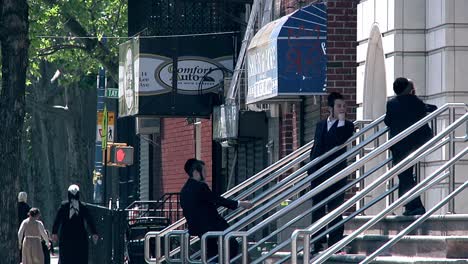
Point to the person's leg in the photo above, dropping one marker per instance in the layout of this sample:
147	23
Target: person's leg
316	215
211	247
337	234
233	248
406	182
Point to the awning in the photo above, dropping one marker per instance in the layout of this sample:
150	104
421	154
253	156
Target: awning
287	57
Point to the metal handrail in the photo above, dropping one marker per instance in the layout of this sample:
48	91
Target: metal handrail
410	195
300	186
406	163
313	208
339	175
311	230
415	224
279	164
289	160
291	179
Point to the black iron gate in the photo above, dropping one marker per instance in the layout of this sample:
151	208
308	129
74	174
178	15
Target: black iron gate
111	225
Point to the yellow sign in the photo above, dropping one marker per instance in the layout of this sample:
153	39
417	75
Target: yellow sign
110	126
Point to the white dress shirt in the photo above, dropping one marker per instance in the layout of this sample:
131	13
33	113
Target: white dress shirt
331	121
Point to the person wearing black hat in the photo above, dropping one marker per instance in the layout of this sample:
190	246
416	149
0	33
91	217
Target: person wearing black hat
199	205
329	133
403	111
69	229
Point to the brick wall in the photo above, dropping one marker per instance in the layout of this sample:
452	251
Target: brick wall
341	68
289	128
178	145
341	52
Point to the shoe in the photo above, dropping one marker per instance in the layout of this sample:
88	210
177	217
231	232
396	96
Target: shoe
417	211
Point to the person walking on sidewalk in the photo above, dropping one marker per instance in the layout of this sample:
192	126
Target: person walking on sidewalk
69	229
30	234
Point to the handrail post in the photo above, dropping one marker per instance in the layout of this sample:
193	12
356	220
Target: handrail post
245	252
306	250
294	237
451	204
186	241
203	242
146	248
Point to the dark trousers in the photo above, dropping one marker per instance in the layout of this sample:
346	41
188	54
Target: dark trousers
406	181
212	248
337	234
46	252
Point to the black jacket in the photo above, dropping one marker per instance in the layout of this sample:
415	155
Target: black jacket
326	140
73	235
199	205
402	112
23	210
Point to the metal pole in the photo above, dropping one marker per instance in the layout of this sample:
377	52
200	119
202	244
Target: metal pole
451	204
306	250
245	253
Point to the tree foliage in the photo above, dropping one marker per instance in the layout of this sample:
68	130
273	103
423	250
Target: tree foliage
71	35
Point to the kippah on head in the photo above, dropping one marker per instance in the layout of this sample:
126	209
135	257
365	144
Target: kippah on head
189	164
400	85
73	189
332	97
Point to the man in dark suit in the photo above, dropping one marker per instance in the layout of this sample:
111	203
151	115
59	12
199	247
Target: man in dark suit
329	133
69	229
199	205
403	111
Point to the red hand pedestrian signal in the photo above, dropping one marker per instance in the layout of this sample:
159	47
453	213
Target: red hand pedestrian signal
122	155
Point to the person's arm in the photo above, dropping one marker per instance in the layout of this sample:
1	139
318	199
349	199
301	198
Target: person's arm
388	115
21	234
315	147
430	108
57	223
90	222
43	233
209	195
89	219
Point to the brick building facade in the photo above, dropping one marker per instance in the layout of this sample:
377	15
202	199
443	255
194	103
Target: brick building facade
179	139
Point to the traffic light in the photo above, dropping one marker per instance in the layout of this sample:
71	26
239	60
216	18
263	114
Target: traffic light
122	155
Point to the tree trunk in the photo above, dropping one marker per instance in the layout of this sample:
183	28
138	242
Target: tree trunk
61	147
14	40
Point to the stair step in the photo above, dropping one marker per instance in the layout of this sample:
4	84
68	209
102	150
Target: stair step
436	225
356	258
420	246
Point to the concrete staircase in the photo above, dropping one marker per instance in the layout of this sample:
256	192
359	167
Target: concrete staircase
440	239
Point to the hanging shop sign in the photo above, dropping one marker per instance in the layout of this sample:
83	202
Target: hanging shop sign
287	57
199	64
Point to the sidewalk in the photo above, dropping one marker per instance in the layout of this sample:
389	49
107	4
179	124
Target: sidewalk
54	259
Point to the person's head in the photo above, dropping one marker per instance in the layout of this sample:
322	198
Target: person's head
402	86
336	104
22	197
73	192
34	212
195	169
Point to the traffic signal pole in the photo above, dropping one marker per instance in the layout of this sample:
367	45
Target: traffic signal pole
100	195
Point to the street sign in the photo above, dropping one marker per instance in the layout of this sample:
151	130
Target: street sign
110	126
112	93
